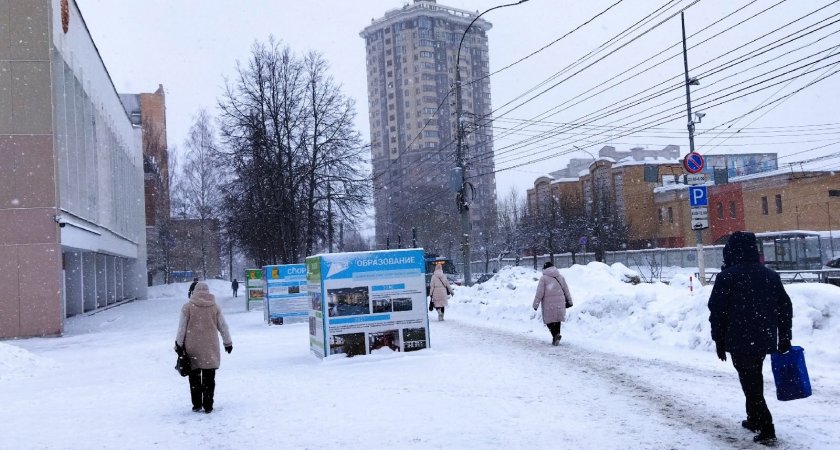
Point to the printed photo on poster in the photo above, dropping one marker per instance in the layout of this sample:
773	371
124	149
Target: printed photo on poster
312	325
414	338
384	339
315	298
348	301
381	305
401	304
350	344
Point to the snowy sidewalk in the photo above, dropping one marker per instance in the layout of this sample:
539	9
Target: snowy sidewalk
109	383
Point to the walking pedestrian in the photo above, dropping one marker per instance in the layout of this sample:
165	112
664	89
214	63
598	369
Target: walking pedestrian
201	320
234	285
750	315
440	290
192	287
553	294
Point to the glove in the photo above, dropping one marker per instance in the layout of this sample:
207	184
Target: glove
178	348
721	352
784	346
229	348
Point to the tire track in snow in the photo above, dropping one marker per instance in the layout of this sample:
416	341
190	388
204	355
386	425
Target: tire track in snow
640	383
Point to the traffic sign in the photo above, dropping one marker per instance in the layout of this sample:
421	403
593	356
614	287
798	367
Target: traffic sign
693	162
699	218
700	213
697	196
694	179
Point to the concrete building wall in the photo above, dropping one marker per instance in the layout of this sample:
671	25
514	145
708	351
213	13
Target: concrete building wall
68	155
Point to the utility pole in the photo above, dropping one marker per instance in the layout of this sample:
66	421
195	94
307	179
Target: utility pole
698	233
329	219
461	197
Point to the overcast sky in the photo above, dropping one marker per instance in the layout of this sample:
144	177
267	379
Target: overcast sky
189	46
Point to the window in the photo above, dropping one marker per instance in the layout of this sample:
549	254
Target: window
719	210
778	203
670	215
732	213
764	208
661	219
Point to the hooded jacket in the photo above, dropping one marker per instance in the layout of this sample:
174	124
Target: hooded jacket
552	293
201	320
749	308
439	288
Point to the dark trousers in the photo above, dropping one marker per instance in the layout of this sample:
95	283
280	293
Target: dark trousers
554	328
752	383
202	387
234	292
441	310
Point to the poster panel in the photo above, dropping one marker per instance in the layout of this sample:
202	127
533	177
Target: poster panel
286	293
254	288
371	301
317	333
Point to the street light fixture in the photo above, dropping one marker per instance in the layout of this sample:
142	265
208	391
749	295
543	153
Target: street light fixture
461	198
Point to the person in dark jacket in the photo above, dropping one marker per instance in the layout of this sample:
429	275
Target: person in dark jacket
192	287
751	316
234	285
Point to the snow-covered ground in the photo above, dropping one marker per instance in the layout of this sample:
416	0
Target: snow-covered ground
635	370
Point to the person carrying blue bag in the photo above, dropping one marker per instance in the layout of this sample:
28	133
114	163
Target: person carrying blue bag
751	316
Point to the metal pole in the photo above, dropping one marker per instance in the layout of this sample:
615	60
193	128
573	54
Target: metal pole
698	234
463	204
830	237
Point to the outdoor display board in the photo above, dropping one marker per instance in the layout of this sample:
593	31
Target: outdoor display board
254	288
286	298
364	301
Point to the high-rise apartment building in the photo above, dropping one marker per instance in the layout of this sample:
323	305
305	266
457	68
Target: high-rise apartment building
411	60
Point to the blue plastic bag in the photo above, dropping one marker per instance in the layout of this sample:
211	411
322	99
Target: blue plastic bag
790	374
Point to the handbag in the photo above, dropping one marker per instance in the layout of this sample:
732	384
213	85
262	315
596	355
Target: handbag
790	374
431	304
182	364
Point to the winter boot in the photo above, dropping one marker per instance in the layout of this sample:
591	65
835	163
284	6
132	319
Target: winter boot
750	425
440	315
767	436
556	340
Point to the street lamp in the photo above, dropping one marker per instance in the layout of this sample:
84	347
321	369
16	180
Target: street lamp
461	197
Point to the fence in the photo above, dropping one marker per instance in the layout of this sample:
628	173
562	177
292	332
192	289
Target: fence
638	259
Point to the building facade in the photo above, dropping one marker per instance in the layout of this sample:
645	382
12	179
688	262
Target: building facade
411	61
148	111
71	174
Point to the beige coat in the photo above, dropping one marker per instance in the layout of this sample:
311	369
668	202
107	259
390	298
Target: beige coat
552	293
439	288
200	320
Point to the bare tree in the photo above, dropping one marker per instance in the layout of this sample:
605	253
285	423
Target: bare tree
202	180
298	164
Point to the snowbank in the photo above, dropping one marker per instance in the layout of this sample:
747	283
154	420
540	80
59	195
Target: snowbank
608	307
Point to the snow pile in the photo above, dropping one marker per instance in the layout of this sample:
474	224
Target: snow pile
180	290
16	362
608	307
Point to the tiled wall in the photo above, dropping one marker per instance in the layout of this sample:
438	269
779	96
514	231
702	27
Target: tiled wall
30	256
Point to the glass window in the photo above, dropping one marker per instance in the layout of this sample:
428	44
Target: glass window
778	203
764	208
670	215
720	210
732	212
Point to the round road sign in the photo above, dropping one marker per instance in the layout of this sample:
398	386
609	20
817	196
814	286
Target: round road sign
693	162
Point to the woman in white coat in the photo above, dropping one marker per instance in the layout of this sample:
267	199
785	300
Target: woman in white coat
440	291
553	294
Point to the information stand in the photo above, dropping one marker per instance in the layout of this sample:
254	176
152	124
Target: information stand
286	300
254	288
367	302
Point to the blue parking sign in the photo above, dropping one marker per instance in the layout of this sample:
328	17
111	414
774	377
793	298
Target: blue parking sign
697	196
